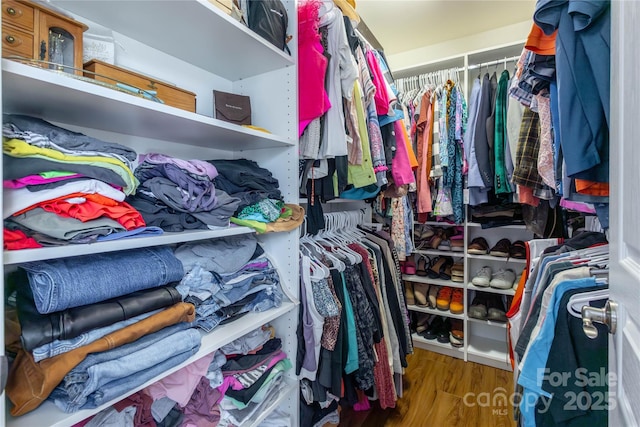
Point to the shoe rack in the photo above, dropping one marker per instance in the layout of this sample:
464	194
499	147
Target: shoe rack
485	340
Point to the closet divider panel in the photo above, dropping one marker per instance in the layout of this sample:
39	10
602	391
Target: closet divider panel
224	55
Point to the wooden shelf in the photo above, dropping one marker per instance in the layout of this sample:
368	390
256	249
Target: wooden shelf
48	414
60	98
25	255
196	32
444	313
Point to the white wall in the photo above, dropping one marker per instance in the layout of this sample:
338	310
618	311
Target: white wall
509	34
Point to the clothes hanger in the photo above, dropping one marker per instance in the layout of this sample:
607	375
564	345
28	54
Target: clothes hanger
577	301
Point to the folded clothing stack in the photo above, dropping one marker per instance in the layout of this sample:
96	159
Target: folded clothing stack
177	195
65	187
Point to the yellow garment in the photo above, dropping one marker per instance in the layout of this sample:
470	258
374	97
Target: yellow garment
256	128
363	174
260	227
20	148
413	160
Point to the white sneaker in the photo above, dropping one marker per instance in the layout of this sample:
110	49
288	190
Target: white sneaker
483	277
503	279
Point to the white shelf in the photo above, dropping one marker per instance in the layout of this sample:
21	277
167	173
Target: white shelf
488	348
497	258
64	99
305	200
194	31
502	325
444	313
452	254
511	226
435	345
437	224
48	414
291	387
25	255
438	282
490	290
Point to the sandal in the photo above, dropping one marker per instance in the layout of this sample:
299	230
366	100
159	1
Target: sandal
409	266
421	266
438	264
445	270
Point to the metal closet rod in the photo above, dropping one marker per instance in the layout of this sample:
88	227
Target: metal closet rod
461	69
490	63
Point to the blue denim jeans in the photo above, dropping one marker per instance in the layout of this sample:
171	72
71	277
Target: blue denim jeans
103	376
71	282
63	346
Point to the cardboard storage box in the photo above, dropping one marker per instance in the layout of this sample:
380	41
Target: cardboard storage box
170	95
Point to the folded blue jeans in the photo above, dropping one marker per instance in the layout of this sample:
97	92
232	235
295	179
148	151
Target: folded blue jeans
63	346
71	282
102	376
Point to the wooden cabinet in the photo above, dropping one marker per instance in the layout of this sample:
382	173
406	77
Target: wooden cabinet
31	31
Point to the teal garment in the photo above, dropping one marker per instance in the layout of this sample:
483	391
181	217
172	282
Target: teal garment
500	176
352	340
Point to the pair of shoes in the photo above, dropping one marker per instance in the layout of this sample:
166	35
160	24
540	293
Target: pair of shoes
408	293
457	243
457	272
441	268
408	266
422	232
518	250
501	249
503	279
420	291
439	329
422	322
482	277
478	246
421	265
450	299
487	306
456	334
433	296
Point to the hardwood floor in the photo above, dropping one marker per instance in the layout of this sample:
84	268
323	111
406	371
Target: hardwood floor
435	387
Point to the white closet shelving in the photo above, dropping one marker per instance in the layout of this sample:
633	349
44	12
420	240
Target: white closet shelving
193	44
485	341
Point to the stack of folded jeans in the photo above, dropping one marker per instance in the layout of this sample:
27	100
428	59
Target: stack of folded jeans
65	187
227	278
177	194
82	317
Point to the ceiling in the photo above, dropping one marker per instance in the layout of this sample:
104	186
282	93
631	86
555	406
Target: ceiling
401	25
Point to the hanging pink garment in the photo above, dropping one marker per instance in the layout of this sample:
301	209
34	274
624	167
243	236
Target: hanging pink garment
313	100
381	97
400	166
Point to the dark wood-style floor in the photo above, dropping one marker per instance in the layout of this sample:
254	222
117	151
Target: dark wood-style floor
434	396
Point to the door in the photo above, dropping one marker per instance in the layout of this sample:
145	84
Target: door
624	276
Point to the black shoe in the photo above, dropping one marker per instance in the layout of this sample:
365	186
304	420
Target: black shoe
431	333
495	308
478	308
443	334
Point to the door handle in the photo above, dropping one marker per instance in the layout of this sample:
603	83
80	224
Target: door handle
607	316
